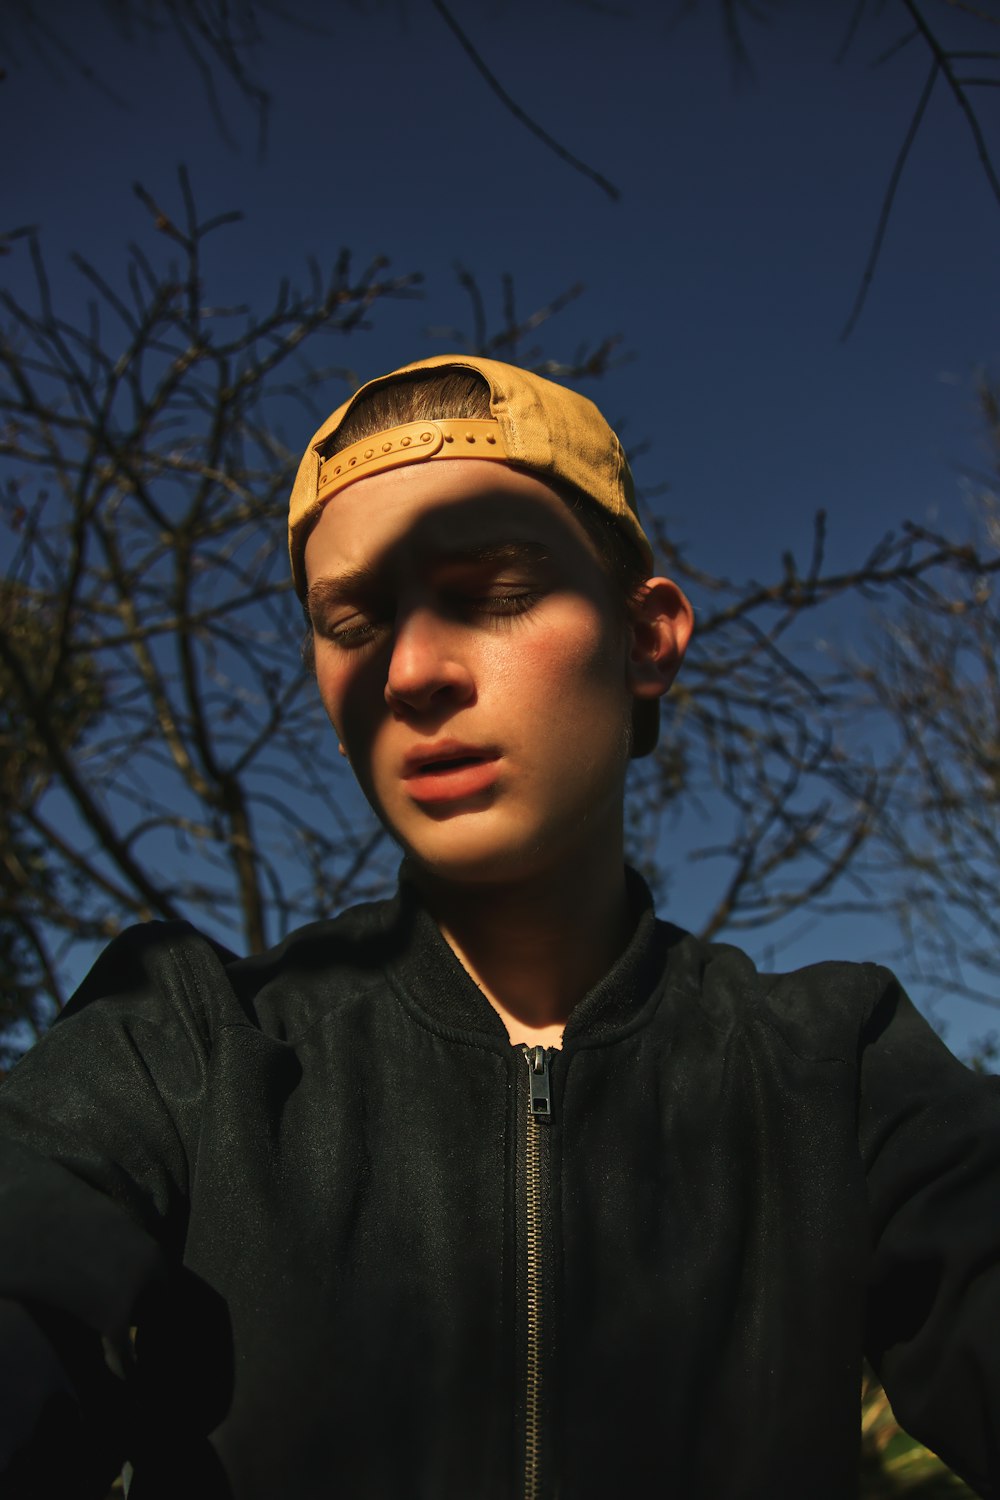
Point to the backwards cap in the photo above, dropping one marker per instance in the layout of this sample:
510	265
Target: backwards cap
536	425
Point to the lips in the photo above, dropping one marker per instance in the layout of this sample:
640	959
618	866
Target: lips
447	763
445	755
448	771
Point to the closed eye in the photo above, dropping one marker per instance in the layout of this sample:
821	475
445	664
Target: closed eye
358	628
514	602
499	605
468	585
350	634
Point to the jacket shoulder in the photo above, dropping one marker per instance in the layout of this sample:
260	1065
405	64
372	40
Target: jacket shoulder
318	968
160	970
155	967
822	1010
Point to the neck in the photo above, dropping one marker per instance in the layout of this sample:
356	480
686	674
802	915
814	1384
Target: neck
537	947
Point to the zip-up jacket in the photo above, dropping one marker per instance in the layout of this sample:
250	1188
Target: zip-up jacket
372	1251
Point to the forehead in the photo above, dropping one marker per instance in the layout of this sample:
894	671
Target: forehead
411	517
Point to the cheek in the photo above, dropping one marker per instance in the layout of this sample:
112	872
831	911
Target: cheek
330	692
354	724
345	693
579	659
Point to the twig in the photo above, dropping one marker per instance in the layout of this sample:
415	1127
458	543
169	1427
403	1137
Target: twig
887	202
515	109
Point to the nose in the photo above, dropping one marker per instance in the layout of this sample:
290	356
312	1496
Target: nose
427	666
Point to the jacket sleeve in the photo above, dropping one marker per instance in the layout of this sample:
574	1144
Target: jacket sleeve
930	1137
95	1132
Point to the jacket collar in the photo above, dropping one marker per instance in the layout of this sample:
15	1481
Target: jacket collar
425	971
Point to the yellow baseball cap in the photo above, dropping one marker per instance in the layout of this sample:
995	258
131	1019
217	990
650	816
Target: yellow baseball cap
536	425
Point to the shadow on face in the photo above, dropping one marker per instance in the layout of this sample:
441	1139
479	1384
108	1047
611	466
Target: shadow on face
388	546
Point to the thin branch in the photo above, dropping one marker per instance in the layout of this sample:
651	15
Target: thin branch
515	109
887	202
852	30
943	61
896	47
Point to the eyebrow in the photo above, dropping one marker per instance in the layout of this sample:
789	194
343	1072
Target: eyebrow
326	592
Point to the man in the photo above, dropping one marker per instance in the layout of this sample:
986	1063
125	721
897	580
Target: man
501	1188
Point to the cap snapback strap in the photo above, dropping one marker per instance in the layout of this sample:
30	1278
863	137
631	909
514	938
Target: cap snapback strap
411	443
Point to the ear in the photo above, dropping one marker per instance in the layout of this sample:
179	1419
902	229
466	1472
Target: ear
661	624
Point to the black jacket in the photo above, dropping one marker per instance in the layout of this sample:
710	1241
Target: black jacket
362	1266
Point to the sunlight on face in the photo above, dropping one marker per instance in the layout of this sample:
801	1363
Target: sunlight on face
473	663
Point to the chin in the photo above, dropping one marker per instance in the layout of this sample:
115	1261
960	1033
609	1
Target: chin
478	857
501	845
472	866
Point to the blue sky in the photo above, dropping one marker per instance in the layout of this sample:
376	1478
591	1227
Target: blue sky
727	268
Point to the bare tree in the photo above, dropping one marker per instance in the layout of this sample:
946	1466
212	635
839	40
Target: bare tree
154	715
755	724
162	746
963	69
958	68
219	41
164	752
932	674
958	39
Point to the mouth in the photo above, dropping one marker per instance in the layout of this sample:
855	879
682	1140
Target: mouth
449	763
445	755
449	772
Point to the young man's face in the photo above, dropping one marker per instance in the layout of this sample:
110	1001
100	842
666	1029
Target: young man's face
475	665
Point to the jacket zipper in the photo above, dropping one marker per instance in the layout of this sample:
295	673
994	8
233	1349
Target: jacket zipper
539	1109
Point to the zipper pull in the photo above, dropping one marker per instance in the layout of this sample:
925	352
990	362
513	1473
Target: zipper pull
538	1078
